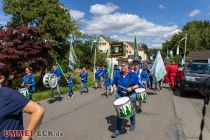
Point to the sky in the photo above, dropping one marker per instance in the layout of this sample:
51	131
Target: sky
151	21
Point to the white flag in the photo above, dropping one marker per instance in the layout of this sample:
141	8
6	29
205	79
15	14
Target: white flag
171	53
158	68
177	50
182	63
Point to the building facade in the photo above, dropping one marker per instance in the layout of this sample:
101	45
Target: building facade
105	45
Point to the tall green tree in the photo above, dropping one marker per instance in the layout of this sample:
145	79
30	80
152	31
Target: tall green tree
145	48
85	54
198	38
49	15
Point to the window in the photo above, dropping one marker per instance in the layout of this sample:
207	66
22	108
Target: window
197	67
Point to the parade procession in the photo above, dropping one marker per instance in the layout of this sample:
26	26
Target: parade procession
75	70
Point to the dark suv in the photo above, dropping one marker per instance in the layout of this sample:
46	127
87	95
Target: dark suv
193	74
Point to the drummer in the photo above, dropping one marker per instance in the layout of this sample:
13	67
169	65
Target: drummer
140	73
29	82
126	85
58	73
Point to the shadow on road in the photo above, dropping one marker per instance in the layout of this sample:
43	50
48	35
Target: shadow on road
166	87
192	94
151	93
111	121
55	99
148	114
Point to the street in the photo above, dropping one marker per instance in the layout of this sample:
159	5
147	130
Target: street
189	113
92	117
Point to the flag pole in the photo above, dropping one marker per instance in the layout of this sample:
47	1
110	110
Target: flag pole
94	61
70	51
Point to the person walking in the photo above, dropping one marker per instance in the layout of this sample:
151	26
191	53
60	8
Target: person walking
97	77
173	70
12	106
140	74
125	85
59	74
166	77
103	74
70	81
29	82
108	84
84	80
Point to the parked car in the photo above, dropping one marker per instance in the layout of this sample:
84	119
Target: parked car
192	75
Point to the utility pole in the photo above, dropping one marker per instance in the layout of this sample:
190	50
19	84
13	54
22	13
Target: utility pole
185	47
167	50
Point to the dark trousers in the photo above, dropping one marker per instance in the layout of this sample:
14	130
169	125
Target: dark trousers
151	81
71	92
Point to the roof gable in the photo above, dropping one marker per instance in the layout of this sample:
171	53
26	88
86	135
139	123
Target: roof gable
199	55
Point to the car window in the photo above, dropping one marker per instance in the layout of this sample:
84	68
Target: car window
198	67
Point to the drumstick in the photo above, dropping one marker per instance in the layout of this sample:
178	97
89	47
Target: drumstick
122	87
124	92
65	77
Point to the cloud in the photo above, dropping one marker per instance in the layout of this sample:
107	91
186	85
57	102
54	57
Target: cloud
77	15
103	9
161	6
124	26
194	12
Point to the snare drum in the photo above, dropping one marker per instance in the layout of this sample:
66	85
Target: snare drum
50	80
24	92
123	107
141	94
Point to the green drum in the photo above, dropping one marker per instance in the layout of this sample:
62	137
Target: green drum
141	94
50	80
123	107
24	92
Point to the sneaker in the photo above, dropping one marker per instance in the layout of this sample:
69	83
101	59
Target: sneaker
72	96
68	97
115	134
139	110
132	128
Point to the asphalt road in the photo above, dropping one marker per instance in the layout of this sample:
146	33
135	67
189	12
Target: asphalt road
92	117
189	114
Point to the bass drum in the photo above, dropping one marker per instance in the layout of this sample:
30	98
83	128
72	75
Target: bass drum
50	80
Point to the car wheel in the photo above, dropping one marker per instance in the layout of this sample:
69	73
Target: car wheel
183	93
